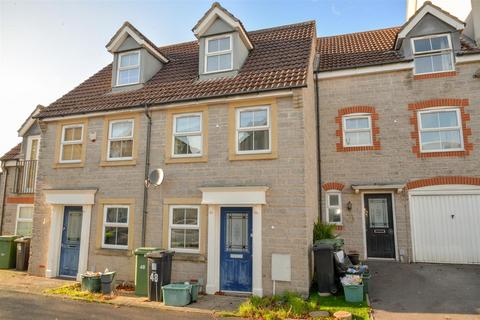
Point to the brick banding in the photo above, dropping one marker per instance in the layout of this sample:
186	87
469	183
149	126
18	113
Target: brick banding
465	117
20	200
375	129
333	186
474	181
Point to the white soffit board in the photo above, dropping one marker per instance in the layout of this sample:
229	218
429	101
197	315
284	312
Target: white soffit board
435	12
70	197
281	267
234	195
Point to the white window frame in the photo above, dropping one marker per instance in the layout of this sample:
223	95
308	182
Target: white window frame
345	130
432	52
183	226
115	224
120	55
110	139
339	206
189	133
217	53
257	128
435	110
23	219
63	142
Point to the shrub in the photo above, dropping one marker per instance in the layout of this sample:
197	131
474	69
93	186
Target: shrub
323	231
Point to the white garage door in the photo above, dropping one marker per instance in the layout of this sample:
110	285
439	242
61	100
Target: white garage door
446	226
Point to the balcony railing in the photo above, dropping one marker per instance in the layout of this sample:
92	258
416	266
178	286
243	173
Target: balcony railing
25	176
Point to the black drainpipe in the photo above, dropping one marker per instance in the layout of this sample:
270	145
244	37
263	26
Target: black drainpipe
147	171
319	162
5	173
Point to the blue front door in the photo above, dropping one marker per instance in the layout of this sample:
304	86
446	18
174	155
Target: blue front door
236	249
72	228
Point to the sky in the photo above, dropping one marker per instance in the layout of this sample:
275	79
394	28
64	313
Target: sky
49	47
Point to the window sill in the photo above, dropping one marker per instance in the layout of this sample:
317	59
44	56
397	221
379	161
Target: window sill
114	252
253	156
60	165
105	163
186	160
193	257
435	75
463	153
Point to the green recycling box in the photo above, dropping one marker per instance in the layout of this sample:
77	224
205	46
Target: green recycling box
8	252
141	272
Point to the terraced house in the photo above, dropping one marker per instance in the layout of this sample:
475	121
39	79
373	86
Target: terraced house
227	118
17	180
259	134
399	141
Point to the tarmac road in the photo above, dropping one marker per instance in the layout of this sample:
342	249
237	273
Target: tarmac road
23	306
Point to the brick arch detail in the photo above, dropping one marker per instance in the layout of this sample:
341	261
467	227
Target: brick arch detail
465	117
333	186
375	129
474	181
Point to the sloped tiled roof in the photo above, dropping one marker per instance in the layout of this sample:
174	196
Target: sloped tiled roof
357	49
367	48
279	60
12	154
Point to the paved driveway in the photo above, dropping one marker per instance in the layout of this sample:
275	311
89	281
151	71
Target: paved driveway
424	291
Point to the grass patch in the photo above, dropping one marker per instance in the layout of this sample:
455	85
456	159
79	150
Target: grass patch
75	291
291	305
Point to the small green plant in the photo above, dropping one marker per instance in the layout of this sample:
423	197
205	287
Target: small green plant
323	231
291	305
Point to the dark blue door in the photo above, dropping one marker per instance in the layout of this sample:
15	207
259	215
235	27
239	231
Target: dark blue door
72	228
236	249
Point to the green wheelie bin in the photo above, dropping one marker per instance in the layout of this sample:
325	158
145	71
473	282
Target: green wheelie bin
141	272
8	252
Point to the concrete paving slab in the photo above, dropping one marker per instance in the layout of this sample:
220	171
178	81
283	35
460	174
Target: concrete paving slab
424	291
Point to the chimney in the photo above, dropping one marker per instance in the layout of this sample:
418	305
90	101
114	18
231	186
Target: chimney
476	20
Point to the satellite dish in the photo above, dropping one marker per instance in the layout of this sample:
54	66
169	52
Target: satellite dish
155	178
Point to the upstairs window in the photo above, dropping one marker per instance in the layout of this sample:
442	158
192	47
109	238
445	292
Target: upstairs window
433	54
357	130
253	130
71	143
218	54
128	68
120	140
187	135
440	130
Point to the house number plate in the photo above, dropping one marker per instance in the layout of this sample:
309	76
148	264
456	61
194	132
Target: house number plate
236	256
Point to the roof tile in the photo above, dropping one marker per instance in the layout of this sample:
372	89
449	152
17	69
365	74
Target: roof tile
13	154
279	60
364	49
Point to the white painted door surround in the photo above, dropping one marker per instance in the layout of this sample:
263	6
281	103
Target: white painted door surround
58	199
217	197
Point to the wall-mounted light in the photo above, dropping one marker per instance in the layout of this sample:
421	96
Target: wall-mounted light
349	205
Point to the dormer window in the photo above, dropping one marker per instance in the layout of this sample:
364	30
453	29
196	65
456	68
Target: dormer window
128	68
433	54
218	54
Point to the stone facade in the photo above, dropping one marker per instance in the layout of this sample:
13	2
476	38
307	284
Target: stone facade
287	218
396	162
